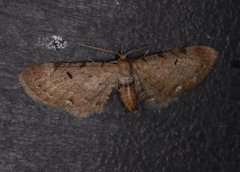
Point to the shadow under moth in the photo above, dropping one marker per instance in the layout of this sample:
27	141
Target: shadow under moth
85	88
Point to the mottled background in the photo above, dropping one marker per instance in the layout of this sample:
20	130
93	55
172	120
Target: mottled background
198	132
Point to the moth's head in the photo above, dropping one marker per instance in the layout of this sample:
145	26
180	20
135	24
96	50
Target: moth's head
123	56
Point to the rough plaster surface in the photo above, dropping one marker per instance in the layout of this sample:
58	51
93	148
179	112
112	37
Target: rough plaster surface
198	132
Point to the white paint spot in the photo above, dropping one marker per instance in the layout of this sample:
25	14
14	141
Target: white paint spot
56	43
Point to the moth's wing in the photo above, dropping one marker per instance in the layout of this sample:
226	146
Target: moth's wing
81	88
159	78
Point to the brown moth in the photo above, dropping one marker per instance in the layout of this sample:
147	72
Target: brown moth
85	88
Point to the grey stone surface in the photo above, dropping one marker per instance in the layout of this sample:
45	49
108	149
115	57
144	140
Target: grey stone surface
198	132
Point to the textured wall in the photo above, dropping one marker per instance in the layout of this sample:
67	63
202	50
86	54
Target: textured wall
198	132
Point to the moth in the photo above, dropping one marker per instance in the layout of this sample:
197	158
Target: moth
85	88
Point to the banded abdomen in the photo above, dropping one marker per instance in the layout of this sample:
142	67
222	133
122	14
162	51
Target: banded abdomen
128	95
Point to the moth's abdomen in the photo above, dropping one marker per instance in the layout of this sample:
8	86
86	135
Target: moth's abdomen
128	96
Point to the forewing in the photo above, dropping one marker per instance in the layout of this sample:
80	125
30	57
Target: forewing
81	88
161	77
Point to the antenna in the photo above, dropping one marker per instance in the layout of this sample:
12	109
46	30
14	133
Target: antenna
100	49
140	49
114	52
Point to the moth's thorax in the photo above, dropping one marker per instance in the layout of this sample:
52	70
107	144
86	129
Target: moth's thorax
125	72
124	67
